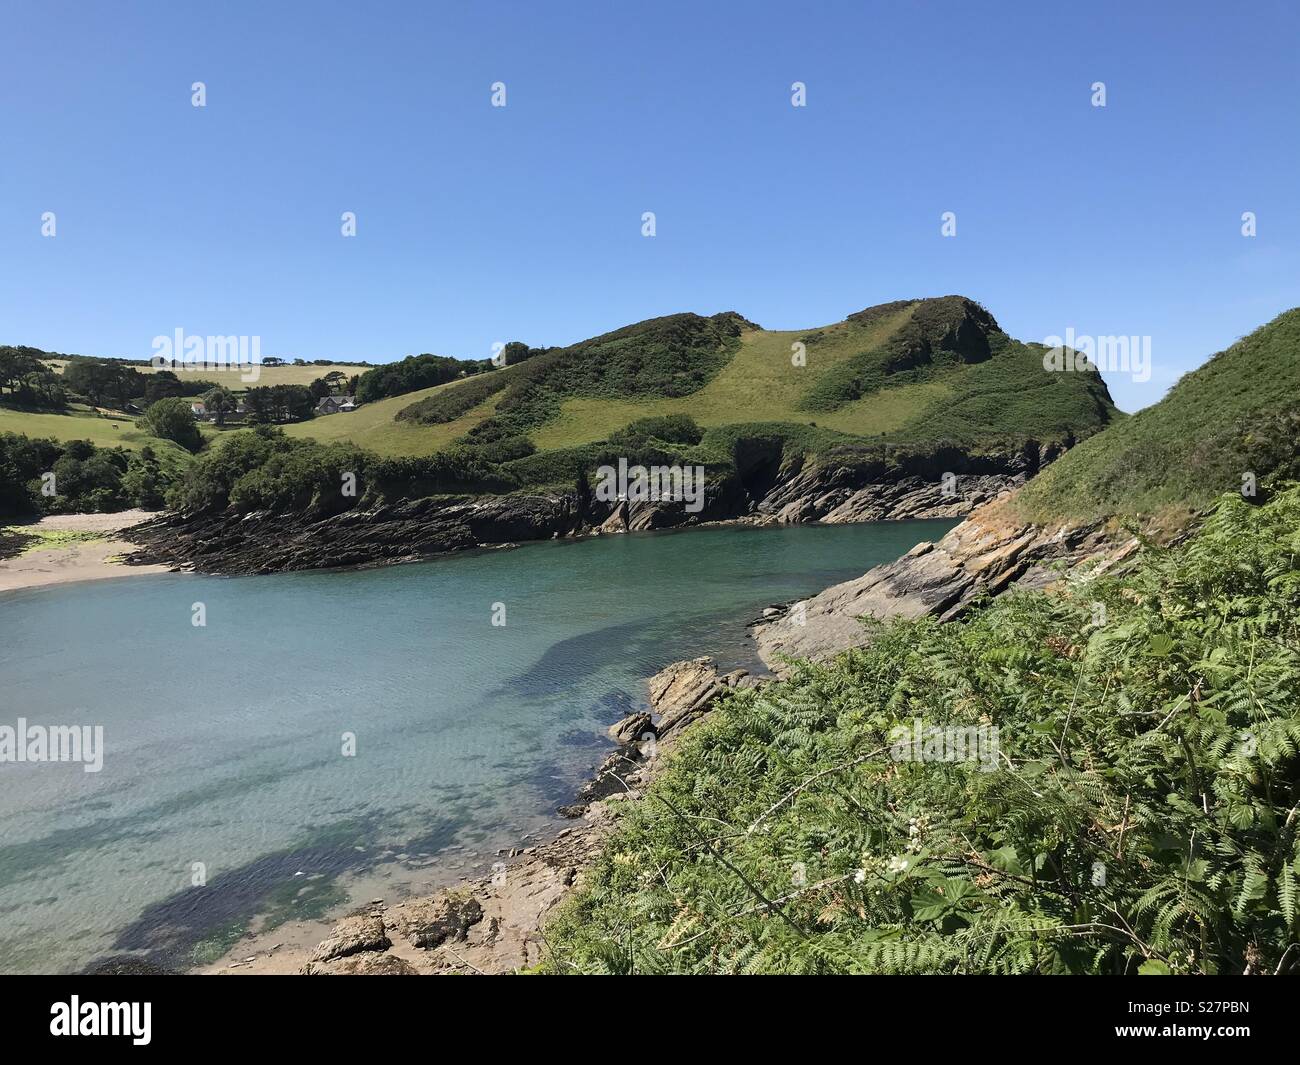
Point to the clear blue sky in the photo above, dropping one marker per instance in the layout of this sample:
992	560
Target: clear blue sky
478	224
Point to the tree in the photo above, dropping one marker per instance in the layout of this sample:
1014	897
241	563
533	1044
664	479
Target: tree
99	381
87	378
162	385
125	382
144	482
219	402
172	419
17	363
272	404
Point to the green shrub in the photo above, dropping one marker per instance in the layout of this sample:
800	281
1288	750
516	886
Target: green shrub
172	419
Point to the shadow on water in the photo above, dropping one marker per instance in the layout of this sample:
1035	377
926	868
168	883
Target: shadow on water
200	924
553	673
19	861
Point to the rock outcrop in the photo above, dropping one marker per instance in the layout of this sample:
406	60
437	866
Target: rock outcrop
434	921
369	964
351	936
987	553
778	490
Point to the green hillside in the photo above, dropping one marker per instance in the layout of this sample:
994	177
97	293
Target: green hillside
1235	415
894	380
911	373
376	425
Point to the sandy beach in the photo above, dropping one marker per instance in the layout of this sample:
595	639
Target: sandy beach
85	558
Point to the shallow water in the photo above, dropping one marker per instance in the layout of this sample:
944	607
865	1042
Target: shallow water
223	744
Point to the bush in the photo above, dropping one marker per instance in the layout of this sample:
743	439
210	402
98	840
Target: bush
172	419
86	478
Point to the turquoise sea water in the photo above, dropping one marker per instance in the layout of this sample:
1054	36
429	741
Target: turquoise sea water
223	744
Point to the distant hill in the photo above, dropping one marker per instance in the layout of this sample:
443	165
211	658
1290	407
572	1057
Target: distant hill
912	374
1238	414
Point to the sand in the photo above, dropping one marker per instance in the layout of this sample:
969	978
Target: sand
80	560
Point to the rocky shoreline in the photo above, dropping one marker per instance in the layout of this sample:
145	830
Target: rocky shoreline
496	924
988	553
946	483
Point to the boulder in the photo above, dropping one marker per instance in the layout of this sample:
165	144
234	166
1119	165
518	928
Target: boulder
682	692
352	935
433	921
631	728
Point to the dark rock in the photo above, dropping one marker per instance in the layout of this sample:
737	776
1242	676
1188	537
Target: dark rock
776	490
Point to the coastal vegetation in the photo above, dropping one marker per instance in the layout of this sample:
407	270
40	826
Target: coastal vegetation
1224	426
171	419
884	387
82	477
413	373
1142	817
1139	813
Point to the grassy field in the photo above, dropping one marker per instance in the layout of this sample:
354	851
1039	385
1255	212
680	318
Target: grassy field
373	426
79	423
912	371
267	375
891	371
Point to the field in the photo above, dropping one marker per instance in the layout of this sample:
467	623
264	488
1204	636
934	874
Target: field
267	375
373	426
79	423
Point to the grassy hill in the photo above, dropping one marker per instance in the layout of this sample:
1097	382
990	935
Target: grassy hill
719	391
1237	414
911	373
80	422
377	427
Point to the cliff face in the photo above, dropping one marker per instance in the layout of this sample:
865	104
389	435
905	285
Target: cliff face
946	483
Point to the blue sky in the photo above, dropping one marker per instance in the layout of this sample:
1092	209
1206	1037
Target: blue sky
479	224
